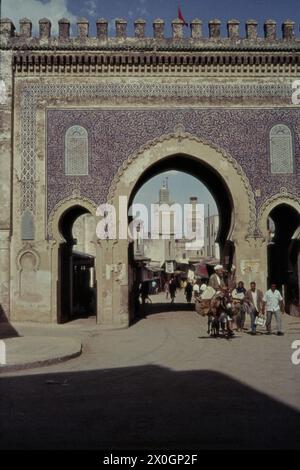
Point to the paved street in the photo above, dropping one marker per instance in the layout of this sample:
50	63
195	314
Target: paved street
162	383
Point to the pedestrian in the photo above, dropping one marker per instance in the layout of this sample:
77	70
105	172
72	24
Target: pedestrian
253	300
172	288
196	289
273	304
231	278
203	285
238	295
145	292
167	290
188	292
136	296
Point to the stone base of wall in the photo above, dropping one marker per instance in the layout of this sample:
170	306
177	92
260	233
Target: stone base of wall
295	311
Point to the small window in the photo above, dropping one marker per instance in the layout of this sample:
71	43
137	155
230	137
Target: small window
281	149
76	151
27	226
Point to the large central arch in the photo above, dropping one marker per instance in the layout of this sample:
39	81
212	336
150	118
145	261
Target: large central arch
210	164
204	173
216	165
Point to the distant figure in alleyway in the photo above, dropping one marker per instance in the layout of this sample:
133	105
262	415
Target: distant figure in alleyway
172	288
273	304
188	292
167	289
145	292
136	296
196	289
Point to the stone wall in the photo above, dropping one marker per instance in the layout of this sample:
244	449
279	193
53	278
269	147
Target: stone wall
6	107
136	97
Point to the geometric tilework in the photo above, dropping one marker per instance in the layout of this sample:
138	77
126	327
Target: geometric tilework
28	167
118	133
33	92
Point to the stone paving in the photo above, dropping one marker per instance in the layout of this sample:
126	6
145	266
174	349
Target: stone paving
162	383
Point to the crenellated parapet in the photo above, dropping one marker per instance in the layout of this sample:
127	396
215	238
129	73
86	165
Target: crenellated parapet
187	51
181	35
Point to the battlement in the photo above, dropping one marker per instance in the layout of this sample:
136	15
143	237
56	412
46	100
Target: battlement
10	38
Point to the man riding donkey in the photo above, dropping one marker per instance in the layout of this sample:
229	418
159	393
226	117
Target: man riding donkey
219	313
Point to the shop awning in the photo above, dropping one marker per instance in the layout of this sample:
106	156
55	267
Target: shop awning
201	270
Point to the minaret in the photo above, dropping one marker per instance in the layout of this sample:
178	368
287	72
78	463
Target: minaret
164	193
194	220
194	202
164	198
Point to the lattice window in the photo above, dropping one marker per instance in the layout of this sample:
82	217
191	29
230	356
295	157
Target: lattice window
281	149
76	151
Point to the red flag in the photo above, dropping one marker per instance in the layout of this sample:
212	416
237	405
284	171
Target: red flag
180	16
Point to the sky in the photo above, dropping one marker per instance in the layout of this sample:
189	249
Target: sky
181	185
149	10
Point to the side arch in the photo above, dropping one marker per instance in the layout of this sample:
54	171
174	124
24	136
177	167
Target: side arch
60	227
283	197
283	245
63	206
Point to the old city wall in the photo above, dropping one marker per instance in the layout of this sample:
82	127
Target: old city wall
140	99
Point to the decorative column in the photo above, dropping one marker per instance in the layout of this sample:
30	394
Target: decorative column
139	29
25	28
120	284
7	30
196	29
121	26
64	28
299	279
6	110
45	28
104	268
177	29
214	29
82	28
270	30
288	30
233	29
4	274
102	29
251	29
158	29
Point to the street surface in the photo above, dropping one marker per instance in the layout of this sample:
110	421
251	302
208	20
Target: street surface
161	384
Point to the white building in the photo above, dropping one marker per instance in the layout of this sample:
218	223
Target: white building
159	250
211	227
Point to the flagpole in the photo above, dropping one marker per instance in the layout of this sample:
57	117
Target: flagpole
180	15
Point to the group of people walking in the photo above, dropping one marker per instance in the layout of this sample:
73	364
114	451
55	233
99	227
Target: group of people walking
229	303
188	287
260	306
